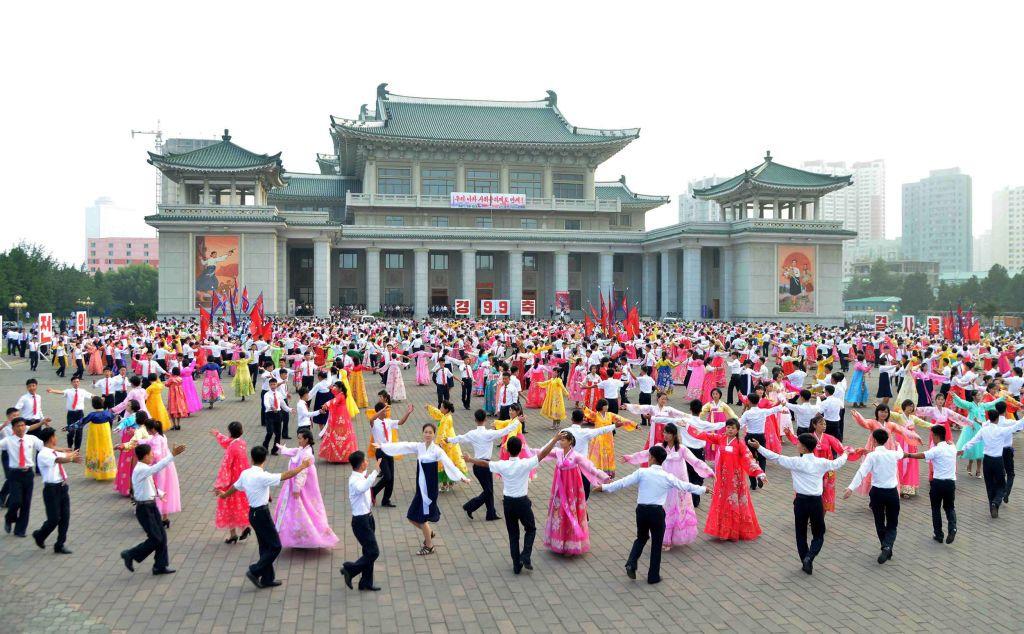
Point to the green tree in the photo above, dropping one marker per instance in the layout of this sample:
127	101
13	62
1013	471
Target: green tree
916	294
882	282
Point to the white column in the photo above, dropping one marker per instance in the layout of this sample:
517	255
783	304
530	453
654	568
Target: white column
589	191
370	178
649	299
469	278
561	272
416	187
419	308
549	187
460	177
691	283
322	277
668	282
282	276
725	307
605	276
817	208
515	281
372	280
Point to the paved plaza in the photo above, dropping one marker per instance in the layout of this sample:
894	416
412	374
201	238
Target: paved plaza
468	585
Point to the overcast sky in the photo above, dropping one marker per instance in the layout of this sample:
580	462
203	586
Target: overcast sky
923	85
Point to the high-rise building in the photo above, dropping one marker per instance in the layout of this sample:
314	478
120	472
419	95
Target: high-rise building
983	256
1008	228
860	207
105	254
694	210
937	220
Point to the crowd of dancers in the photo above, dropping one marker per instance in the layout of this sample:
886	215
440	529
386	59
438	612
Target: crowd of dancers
740	393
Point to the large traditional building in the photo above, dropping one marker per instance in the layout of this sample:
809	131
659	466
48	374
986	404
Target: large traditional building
427	201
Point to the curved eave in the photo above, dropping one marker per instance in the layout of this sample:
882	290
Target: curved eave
271	172
752	186
508	235
604	143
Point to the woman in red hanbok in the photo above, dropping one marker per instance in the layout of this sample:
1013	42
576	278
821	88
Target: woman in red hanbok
232	511
880	421
338	437
536	393
731	516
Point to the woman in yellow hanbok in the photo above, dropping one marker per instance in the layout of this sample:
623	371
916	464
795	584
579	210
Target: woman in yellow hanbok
355	379
242	381
602	448
350	402
553	407
155	404
100	463
445	430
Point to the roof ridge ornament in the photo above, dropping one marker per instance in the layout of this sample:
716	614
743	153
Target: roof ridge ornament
552	99
382	91
768	156
226	136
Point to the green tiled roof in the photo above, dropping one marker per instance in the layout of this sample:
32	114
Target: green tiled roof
223	156
316	186
618	190
528	122
772	175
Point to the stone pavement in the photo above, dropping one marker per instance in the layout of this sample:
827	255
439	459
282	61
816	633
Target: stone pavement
468	585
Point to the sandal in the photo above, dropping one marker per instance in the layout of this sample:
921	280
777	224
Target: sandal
426	551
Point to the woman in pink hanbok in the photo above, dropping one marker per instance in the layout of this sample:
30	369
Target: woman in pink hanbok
695	382
188	385
126	459
395	384
212	391
536	393
300	516
680	518
422	371
567	531
680	354
576	377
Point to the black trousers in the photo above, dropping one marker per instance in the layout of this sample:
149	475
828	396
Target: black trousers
79	369
7	485
832	428
285	419
57	501
62	365
467	391
1008	468
486	497
842	424
156	537
734	384
269	541
387	476
74	432
995	479
809	510
519	511
613	405
19	498
885	506
308	381
33	360
273	425
943	493
650	524
694	477
503	412
108	401
363	528
761	460
444	393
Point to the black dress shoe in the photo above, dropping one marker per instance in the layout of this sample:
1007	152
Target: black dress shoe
491	519
1006	498
808	565
164	571
369	589
993	510
251	577
128	562
528	564
348	576
388	505
22	535
885	555
272	584
951	536
937	538
60	550
39	542
286	437
631	572
468	512
517	568
7	526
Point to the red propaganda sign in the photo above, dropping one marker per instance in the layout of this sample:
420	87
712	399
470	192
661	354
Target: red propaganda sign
494	307
908	322
81	321
45	328
562	301
462	307
528	307
934	324
881	323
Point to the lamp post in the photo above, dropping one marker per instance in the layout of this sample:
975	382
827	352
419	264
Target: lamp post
85	303
18	305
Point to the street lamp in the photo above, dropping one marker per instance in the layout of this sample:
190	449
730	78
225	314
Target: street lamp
18	305
85	303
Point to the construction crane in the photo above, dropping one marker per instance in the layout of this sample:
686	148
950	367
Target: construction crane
158	148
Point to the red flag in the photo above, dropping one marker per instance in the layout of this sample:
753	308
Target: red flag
256	318
593	311
268	331
633	322
204	323
588	325
604	311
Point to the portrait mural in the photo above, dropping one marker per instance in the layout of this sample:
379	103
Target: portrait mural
216	267
796	270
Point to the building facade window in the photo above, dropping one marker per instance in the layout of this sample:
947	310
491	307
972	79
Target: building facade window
193	194
437	181
348	296
394	221
484	181
439	221
347	260
438	261
394	180
484	261
618	264
484	222
527	223
394	260
305	295
394	296
306	262
529	262
568	185
530	184
575	300
573	225
575	263
625	220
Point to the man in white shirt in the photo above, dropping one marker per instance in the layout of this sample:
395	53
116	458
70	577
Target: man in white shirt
807	471
380	430
55	491
515	473
994	438
942	491
363	526
21	451
443	380
803	411
507	394
148	516
884	497
274	404
30	407
256	483
75	399
482	440
583	436
831	409
654	484
610	387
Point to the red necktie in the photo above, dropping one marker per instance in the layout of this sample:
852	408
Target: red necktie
275	401
63	475
74	403
35	406
21	454
106	387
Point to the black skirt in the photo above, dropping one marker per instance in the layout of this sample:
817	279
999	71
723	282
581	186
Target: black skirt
884	386
318	402
433	513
